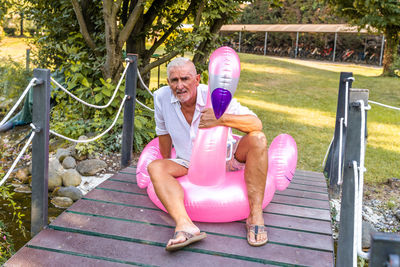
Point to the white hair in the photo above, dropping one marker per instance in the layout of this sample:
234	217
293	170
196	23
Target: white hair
179	62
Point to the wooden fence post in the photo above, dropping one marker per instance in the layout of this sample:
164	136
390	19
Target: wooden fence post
40	150
129	112
332	162
347	252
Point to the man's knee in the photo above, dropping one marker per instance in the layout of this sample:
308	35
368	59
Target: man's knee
155	167
257	139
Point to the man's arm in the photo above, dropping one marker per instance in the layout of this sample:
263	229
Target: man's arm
243	123
165	143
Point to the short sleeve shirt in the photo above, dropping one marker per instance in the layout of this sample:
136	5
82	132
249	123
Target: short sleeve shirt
170	119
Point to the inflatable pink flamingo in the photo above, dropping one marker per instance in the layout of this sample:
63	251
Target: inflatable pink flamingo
211	193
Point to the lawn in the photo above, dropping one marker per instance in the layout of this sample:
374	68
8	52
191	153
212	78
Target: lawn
300	97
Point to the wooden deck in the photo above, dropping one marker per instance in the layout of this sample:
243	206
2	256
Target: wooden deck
117	225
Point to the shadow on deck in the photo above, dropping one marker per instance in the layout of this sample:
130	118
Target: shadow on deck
116	224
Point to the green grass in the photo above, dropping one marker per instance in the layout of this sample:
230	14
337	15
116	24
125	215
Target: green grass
300	98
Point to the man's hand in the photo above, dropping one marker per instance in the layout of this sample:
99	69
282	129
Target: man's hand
208	119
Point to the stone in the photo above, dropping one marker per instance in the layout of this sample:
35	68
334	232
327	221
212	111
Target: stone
71	177
393	182
397	214
71	192
62	153
62	202
367	230
23	175
23	189
69	163
91	167
55	173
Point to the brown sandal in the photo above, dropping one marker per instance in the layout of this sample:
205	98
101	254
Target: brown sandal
256	230
190	238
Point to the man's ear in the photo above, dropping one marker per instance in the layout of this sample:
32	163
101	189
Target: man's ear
198	79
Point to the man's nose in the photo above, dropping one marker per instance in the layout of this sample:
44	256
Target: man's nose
179	84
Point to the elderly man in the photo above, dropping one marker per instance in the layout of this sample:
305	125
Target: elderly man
179	112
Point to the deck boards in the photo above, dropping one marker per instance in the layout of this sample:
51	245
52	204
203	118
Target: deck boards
117	225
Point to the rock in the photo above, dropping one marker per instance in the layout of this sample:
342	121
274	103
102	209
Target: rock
55	173
71	177
74	151
62	202
23	175
397	214
91	167
62	153
367	230
71	192
23	189
69	163
393	182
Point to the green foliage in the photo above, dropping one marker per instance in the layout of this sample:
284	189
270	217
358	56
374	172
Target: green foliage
13	76
6	244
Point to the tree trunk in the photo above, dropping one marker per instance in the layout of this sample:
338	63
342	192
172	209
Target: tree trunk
392	41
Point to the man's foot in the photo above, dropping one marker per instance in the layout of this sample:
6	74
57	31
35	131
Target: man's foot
182	239
256	234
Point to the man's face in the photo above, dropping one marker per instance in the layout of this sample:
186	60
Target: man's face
183	81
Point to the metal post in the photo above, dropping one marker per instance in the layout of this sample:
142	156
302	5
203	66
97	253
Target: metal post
382	48
265	43
28	60
40	150
240	39
297	45
347	251
334	48
333	162
385	250
129	112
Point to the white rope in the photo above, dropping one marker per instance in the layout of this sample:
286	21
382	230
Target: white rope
32	82
327	151
91	105
143	84
383	105
18	158
359	188
346	103
143	105
100	135
340	178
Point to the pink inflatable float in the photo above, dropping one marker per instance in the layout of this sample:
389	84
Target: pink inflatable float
211	193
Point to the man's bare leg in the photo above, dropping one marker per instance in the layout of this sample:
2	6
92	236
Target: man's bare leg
252	149
163	175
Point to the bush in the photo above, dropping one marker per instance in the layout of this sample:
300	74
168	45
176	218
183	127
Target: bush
396	66
6	244
10	31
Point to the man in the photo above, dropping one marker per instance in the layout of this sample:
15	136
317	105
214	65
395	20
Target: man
179	112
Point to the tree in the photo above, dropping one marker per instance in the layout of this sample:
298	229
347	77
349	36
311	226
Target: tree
140	26
383	15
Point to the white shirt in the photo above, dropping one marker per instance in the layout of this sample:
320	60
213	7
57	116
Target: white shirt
170	119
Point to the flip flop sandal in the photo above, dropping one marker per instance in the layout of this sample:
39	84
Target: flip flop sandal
256	230
190	238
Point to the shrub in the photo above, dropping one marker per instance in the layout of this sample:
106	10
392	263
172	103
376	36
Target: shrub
10	31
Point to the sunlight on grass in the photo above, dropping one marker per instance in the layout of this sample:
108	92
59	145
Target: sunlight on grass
385	136
368	71
261	69
303	116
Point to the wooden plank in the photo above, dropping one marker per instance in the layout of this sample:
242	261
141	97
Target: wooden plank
298	211
129	251
124	177
301	224
307	182
212	244
130	169
303	194
310	188
296	238
30	257
301	202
